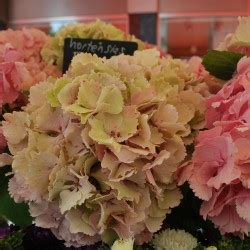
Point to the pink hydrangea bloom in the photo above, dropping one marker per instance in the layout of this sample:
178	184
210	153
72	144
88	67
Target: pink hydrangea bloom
12	74
228	208
231	102
219	174
219	171
21	65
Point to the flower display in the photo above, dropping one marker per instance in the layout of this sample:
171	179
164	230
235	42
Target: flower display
219	172
174	239
52	53
95	151
239	41
21	65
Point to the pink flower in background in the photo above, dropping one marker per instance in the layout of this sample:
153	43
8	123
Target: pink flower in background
12	75
21	65
28	42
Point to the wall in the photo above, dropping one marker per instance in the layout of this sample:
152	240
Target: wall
203	7
3	10
29	9
142	6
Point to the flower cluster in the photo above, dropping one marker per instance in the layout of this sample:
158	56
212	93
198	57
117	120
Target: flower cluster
239	41
52	53
95	151
219	172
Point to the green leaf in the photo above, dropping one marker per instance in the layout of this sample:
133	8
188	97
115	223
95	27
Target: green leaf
232	243
5	245
104	247
200	247
143	247
13	241
17	213
221	64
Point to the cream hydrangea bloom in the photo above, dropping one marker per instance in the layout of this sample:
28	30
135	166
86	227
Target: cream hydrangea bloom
52	53
123	245
173	240
95	152
239	41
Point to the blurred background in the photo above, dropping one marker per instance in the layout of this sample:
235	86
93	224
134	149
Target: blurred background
180	27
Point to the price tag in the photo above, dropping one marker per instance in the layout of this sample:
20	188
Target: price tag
102	48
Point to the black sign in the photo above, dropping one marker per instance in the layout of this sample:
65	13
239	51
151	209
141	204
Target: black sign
102	48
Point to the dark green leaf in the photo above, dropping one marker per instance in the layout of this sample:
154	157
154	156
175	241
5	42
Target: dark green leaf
221	64
143	247
5	245
104	247
200	247
15	212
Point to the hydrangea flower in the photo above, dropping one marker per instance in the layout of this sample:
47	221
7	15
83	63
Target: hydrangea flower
95	151
231	102
174	239
219	173
52	53
239	41
21	65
